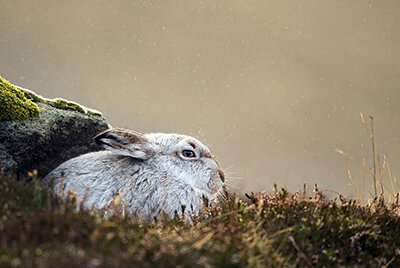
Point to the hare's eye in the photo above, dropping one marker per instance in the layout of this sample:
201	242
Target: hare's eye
188	153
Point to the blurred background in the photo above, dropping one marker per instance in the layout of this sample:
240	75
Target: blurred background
272	87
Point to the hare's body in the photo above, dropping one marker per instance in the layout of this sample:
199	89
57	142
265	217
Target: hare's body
149	173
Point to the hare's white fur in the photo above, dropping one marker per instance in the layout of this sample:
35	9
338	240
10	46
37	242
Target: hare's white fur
149	172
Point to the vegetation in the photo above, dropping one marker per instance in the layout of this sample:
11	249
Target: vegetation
18	104
59	103
37	228
44	229
14	106
381	182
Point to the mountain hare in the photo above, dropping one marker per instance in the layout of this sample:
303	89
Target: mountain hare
148	173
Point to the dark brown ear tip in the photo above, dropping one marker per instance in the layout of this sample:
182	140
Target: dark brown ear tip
97	139
120	136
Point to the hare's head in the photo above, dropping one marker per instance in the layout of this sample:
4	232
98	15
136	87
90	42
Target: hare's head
172	158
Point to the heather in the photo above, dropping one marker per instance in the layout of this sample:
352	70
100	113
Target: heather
278	229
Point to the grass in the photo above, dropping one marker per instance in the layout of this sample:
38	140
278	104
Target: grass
371	183
37	228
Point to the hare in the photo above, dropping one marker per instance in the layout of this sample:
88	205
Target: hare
149	173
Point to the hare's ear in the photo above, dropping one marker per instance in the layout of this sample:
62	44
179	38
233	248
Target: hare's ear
124	142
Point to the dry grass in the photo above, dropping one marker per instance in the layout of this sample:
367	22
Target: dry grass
372	182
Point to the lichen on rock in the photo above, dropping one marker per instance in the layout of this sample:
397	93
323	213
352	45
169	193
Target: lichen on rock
14	106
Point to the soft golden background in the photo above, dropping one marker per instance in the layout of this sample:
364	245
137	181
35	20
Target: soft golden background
273	87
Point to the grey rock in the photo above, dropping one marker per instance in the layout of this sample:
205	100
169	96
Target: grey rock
45	142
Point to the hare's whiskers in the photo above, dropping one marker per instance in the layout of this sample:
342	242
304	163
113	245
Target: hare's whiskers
231	185
228	168
234	178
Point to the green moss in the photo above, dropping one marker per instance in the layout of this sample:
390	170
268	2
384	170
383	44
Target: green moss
93	112
65	105
70	105
14	106
32	96
58	103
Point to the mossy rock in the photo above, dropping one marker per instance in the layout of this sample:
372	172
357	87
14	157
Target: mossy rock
58	103
49	140
19	104
56	131
14	106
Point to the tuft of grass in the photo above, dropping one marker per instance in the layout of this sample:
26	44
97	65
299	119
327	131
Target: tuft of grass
38	228
373	182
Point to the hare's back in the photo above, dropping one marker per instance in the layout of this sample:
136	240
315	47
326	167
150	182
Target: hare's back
97	171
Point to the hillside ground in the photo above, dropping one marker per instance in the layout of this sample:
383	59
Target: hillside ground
281	229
